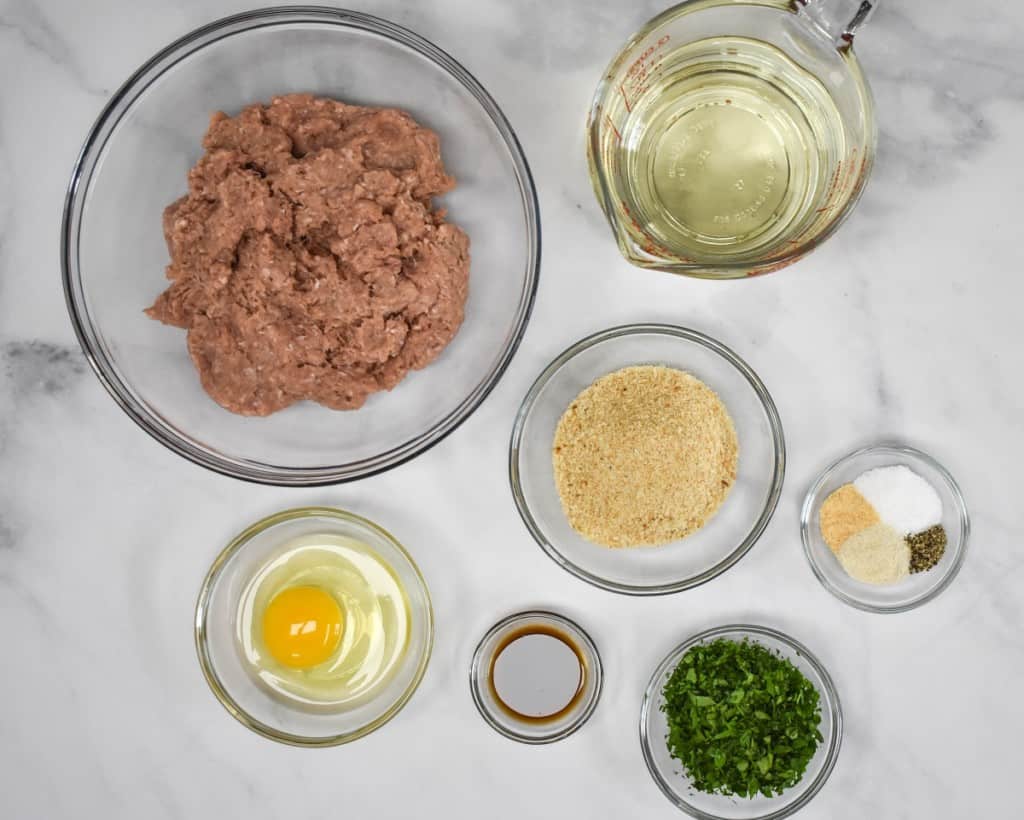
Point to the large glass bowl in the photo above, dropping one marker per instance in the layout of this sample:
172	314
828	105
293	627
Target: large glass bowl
230	677
668	772
134	163
726	537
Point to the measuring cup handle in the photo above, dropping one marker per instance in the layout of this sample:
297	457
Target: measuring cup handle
839	19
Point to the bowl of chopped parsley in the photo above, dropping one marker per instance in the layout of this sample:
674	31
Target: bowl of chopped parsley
738	722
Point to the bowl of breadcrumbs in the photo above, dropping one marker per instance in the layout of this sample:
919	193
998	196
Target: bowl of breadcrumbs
647	459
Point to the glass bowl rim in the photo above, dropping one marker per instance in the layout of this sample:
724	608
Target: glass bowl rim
897	449
586	708
88	334
754	631
202	610
677	332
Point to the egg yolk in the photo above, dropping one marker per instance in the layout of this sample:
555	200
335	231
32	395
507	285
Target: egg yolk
302	626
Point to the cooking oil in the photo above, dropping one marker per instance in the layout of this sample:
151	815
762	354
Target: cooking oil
726	146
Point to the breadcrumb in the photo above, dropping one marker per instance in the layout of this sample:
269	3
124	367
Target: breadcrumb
644	456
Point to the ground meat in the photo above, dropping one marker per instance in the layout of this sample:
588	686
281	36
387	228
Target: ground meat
307	261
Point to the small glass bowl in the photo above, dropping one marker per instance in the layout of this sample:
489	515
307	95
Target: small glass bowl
536	732
727	536
667	771
226	671
918	587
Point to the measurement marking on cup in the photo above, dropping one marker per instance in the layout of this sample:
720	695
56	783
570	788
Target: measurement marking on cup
611	125
831	190
639	73
632	219
625	98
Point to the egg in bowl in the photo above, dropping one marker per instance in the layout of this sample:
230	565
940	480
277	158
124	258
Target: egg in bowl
324	622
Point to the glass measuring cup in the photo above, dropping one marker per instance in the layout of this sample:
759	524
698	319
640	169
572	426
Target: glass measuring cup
730	137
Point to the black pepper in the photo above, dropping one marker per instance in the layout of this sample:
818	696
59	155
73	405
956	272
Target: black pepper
926	548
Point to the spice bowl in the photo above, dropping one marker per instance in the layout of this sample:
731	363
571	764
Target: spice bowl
687	562
668	773
915	589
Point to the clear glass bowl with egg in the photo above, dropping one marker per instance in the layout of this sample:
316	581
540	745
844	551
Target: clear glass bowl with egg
668	773
134	163
689	561
330	691
917	588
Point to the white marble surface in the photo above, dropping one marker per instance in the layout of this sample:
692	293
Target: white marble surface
906	324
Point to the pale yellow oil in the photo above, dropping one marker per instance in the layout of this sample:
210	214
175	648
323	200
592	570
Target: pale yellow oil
726	146
376	620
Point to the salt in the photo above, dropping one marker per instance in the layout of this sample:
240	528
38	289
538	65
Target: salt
904	500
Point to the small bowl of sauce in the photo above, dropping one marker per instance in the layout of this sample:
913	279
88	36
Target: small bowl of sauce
536	677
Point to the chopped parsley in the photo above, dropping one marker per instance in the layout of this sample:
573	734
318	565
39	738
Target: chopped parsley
741	719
